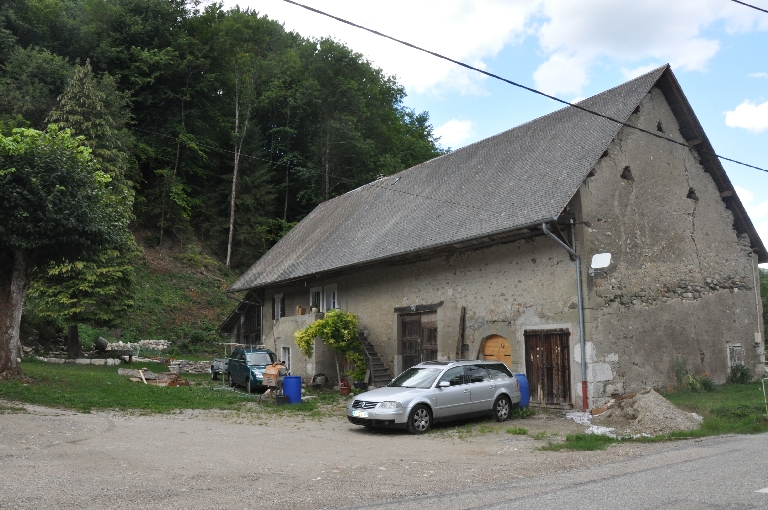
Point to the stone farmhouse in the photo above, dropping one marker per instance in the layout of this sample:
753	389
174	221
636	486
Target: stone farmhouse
479	254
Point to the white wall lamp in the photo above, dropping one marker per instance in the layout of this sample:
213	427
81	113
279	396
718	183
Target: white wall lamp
599	262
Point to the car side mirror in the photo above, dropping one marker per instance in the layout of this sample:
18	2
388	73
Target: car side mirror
444	384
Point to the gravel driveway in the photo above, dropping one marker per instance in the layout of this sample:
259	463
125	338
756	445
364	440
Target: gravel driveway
57	459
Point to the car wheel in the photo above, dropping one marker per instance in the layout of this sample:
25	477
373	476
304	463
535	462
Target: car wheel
231	380
502	408
214	376
420	419
248	388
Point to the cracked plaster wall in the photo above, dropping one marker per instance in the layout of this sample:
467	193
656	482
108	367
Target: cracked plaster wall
680	284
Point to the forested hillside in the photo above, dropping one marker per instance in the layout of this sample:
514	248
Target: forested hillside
219	105
214	130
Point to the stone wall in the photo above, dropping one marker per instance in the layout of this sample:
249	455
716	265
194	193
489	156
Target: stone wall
680	287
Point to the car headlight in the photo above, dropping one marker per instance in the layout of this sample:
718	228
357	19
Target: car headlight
391	405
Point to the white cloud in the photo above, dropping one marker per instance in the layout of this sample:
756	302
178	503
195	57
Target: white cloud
574	35
758	75
748	115
466	30
638	71
455	132
745	196
580	34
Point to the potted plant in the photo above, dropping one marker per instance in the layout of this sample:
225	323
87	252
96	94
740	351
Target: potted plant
345	387
315	308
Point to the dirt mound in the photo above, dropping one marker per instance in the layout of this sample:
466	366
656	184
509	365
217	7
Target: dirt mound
645	413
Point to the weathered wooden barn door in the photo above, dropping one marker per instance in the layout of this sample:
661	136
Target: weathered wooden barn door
547	365
419	338
411	340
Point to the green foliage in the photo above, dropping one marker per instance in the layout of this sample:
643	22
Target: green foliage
321	120
517	431
97	291
338	330
686	381
581	442
740	375
729	409
54	204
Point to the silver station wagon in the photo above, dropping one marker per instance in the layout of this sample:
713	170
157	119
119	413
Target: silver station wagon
435	391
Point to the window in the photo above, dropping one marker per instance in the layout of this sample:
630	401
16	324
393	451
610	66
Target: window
278	306
316	297
331	302
499	371
476	374
326	298
285	357
454	375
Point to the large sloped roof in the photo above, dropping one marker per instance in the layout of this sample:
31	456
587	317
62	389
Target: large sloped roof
518	178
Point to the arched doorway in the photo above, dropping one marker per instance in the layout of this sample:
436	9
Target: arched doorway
497	348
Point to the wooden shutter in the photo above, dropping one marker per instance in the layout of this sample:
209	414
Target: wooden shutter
273	308
282	306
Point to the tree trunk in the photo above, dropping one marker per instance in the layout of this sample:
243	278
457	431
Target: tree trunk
13	290
232	205
73	341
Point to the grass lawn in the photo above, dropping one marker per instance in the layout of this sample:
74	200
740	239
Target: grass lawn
88	387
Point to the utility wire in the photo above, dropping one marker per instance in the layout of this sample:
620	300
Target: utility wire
557	99
749	5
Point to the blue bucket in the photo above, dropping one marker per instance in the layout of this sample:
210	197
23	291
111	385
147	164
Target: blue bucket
525	390
292	388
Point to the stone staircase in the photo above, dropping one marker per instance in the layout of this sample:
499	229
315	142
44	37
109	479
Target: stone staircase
380	374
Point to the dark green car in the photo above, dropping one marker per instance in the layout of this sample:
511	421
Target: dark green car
246	367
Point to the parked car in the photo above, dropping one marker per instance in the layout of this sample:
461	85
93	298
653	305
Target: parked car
435	391
245	367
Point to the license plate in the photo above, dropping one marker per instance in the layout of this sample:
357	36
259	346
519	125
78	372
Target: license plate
360	414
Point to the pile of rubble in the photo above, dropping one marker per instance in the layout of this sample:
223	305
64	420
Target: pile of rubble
645	413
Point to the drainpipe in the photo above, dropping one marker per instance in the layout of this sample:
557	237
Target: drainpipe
582	343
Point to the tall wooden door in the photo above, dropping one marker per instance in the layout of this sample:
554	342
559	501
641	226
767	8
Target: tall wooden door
411	340
547	366
497	348
419	338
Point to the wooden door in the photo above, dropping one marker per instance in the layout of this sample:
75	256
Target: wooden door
411	340
547	366
497	348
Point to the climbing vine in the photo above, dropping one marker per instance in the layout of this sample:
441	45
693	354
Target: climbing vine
338	330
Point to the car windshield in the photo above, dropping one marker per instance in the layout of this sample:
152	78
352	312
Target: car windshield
260	358
416	378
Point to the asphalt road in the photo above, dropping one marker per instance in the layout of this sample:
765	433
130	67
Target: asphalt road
724	472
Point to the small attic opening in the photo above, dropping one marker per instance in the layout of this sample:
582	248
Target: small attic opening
692	195
659	127
604	155
626	174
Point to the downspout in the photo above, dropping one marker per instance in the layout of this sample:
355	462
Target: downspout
582	343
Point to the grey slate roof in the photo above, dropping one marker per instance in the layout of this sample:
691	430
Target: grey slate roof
517	178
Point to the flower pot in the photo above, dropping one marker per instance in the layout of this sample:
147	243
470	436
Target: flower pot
345	390
360	385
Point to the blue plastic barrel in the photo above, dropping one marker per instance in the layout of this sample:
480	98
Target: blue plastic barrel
292	388
525	390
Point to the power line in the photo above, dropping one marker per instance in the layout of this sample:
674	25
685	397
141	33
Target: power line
519	85
752	6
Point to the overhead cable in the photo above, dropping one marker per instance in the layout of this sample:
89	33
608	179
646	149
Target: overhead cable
749	5
514	83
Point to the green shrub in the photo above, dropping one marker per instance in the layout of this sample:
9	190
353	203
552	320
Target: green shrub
517	431
740	375
584	442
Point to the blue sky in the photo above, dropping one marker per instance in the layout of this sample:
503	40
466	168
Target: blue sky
569	48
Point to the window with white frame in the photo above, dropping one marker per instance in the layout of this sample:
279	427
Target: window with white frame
278	306
316	297
285	357
331	298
